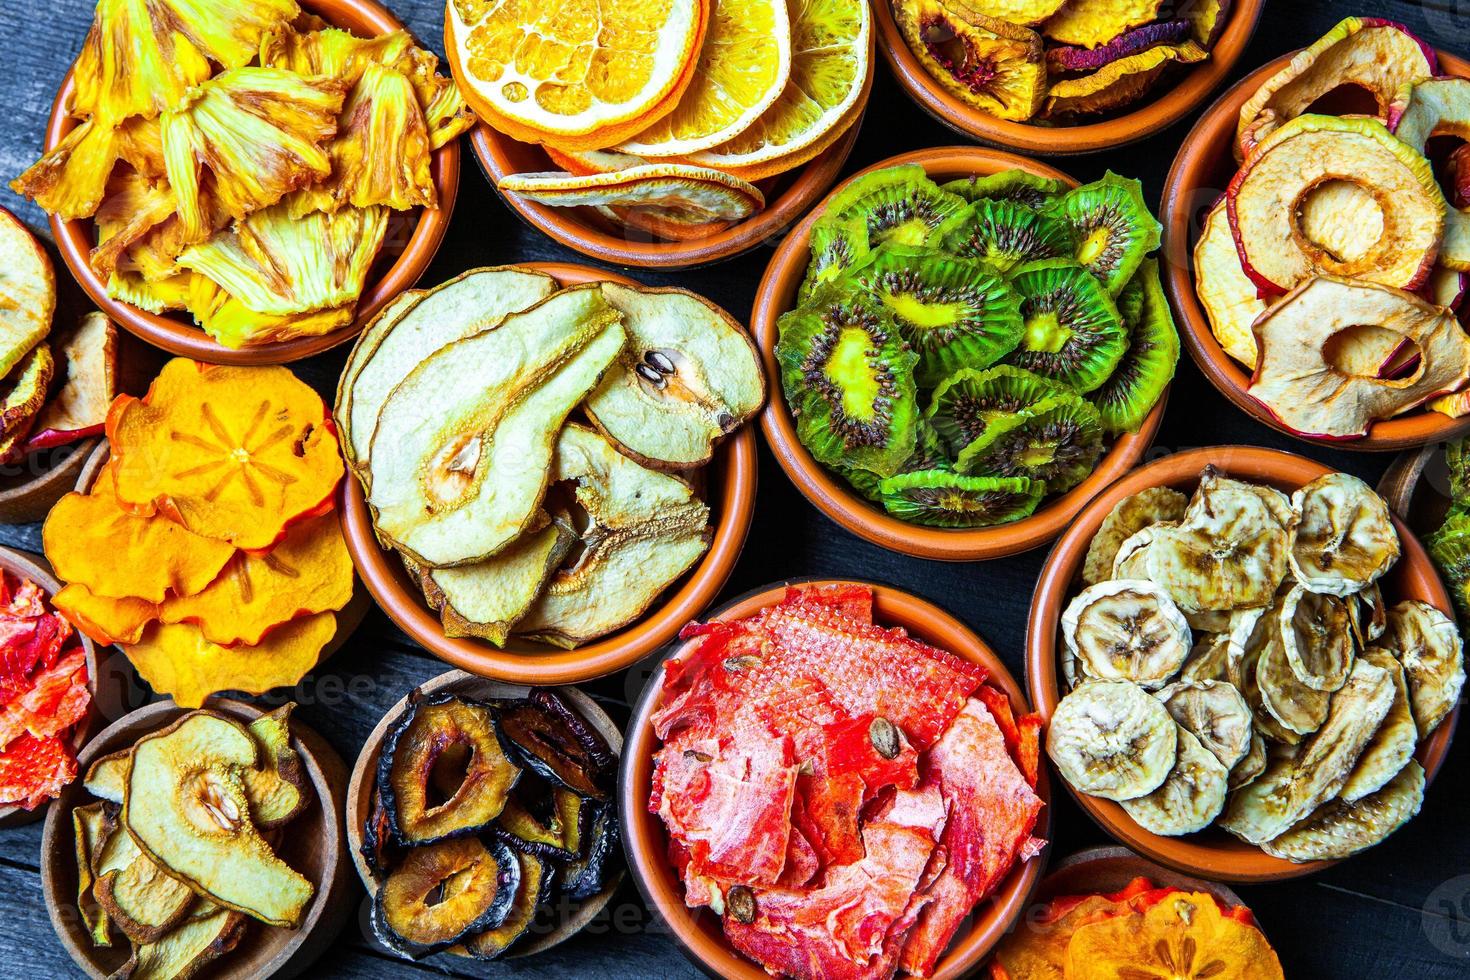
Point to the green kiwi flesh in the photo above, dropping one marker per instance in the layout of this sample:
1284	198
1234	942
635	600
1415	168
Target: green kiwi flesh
1138	382
1005	234
940	498
898	205
1008	185
968	401
1057	441
1074	333
1113	226
836	247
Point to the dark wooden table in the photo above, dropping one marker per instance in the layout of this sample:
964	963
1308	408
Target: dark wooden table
1401	910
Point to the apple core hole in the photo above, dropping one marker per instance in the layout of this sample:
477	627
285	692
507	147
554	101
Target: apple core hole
1365	350
1350	99
1342	218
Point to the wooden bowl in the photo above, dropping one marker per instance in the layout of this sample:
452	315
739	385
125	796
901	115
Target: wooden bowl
30	488
313	844
830	493
1212	853
177	334
364	782
788	196
1198	179
646	841
731	495
25	565
1166	105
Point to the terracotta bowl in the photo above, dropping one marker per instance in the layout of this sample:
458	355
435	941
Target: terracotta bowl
410	244
22	564
1198	179
364	782
730	482
1211	853
1174	98
313	844
697	931
788	196
830	493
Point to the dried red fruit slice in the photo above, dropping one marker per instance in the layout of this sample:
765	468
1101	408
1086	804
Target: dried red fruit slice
34	770
57	700
1066	57
1119	82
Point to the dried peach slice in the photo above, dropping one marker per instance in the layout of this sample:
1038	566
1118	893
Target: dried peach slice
1118	83
234	453
698	193
1093	23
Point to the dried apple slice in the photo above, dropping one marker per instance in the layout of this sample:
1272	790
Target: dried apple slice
1297	381
1120	82
458	488
79	409
698	193
646	529
1224	290
22	394
1439	107
687	378
27	291
994	65
1266	197
1377	55
488	598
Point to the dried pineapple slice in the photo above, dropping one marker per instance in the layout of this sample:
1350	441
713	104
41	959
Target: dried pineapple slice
234	325
1429	646
1343	539
163	296
70	180
134	206
1131	515
1191	797
280	265
1112	739
1127	629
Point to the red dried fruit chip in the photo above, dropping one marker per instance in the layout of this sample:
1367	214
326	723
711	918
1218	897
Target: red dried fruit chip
25	645
57	700
1028	752
34	770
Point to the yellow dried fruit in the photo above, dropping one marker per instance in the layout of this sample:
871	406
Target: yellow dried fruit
234	325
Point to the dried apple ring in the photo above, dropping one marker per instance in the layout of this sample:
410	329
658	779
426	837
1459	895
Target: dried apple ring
233	453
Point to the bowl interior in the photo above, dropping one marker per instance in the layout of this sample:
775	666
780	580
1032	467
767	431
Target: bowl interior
1213	852
1199	177
777	294
729	483
646	841
1110	869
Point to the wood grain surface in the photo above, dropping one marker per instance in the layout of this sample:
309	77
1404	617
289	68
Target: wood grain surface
1401	910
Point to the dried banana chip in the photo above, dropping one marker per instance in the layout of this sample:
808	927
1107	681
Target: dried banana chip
1112	739
1211	620
1429	646
1343	539
1191	797
1073	673
1317	637
1213	712
1341	829
1329	755
1132	559
1208	661
1296	706
1368	615
1256	631
1393	744
1262	810
1127	629
1131	515
1247	770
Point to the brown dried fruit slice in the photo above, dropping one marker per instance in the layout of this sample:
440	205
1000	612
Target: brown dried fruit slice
1294	705
1130	515
233	453
1341	829
1297	381
1185	936
475	885
1429	646
994	65
1393	744
22	395
488	598
1214	712
1343	538
1118	83
142	900
188	948
27	292
1316	639
697	193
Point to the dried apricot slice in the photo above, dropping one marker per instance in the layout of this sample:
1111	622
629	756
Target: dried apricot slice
234	453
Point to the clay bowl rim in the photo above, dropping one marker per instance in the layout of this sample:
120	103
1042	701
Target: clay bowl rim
364	781
287	949
1206	154
52	484
1195	85
645	840
571	226
733	468
74	238
777	294
34	567
1213	853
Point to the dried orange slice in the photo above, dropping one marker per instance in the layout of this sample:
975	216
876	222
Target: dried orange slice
695	193
584	162
743	68
663	224
92	540
586	73
234	453
1183	937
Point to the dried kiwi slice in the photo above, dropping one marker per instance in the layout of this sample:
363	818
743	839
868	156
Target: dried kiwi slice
1074	333
1058	441
931	452
836	246
1114	228
1147	367
954	312
898	205
848	376
1450	548
1006	234
967	402
1008	185
939	498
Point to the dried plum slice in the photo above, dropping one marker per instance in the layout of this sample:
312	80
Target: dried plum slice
554	742
475	885
1071	58
995	66
537	883
599	867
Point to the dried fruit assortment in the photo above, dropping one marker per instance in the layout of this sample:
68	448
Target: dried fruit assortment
963	351
1334	264
668	119
1056	62
840	794
1232	662
209	548
242	160
1143	930
43	695
512	514
176	852
491	822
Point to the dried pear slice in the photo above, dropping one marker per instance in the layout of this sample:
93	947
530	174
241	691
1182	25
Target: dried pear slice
91	824
488	598
1249	769
1118	83
187	949
1393	744
647	528
186	808
1317	638
1112	739
143	900
278	791
470	431
1297	706
694	193
1130	515
992	64
1341	829
27	292
1343	538
1224	290
1214	712
1127	629
1191	797
1208	659
1429	646
688	377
